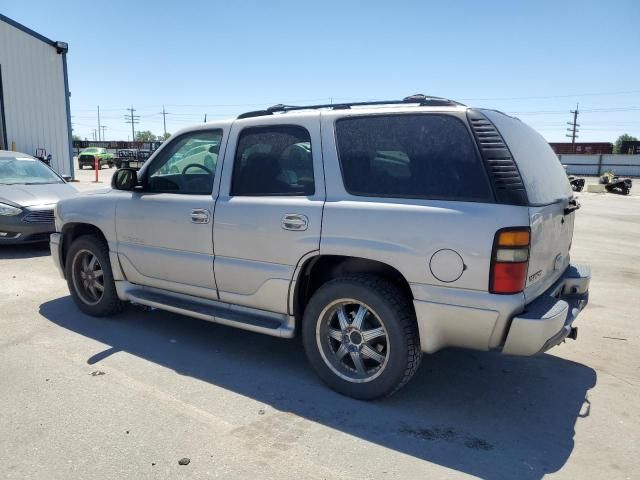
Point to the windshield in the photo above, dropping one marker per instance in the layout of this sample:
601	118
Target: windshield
25	171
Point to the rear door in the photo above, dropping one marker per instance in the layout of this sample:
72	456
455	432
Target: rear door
269	212
551	202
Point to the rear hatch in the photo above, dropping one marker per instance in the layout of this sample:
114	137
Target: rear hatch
552	205
551	234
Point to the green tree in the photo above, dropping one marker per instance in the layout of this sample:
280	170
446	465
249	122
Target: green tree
76	137
145	136
622	138
164	136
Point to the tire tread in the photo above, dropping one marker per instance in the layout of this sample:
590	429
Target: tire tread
399	302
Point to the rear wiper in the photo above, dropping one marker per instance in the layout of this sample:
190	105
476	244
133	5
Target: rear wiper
572	206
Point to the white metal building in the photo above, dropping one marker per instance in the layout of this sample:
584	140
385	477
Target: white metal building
34	95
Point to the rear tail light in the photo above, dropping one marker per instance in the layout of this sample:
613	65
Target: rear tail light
510	260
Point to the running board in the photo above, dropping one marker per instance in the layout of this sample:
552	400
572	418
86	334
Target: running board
269	323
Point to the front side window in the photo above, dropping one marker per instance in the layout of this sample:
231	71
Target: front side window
187	165
410	156
274	160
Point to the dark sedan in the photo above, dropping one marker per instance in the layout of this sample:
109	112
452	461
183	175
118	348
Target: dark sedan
29	190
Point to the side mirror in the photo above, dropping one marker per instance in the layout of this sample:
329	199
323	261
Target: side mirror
124	179
67	178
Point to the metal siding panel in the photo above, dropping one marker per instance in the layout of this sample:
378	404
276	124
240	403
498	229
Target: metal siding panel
570	159
35	95
621	160
591	170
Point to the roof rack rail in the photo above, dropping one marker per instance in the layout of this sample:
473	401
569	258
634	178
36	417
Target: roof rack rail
420	99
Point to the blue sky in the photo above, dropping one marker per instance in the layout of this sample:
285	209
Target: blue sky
534	59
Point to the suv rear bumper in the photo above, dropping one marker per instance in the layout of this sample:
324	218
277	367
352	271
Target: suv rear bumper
548	320
450	317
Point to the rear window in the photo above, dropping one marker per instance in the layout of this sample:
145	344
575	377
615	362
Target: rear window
543	175
410	156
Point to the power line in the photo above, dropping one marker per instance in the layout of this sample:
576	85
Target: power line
592	110
539	97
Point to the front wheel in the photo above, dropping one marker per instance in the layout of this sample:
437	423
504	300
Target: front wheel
361	336
90	278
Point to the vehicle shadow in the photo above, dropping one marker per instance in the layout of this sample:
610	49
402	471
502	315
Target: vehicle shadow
28	250
479	413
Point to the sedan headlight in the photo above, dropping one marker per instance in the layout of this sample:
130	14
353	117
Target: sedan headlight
9	210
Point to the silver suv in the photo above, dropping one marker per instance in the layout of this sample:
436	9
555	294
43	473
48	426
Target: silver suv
378	231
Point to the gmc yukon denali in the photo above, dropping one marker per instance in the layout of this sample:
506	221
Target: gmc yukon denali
378	231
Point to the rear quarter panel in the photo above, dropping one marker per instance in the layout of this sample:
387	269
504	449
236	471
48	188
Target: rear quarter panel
406	233
406	236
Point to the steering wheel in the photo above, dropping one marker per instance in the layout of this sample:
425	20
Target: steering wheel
197	165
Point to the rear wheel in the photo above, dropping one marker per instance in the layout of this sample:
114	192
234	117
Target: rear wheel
361	337
90	278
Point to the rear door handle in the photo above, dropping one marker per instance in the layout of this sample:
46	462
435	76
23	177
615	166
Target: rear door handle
200	215
295	221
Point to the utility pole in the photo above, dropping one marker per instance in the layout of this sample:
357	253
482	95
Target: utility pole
132	119
103	127
205	118
573	130
99	138
164	120
94	134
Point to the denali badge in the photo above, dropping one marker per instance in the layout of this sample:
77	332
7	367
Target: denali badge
534	276
558	262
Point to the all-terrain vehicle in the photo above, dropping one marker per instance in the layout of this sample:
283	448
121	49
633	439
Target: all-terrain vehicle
614	184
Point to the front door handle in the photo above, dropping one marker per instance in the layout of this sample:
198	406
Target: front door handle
295	221
200	215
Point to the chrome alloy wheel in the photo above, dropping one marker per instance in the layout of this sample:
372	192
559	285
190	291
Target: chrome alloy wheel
352	340
88	277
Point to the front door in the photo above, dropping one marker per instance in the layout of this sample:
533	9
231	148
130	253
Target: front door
269	212
164	231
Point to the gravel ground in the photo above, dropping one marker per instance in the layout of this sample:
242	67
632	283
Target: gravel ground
150	394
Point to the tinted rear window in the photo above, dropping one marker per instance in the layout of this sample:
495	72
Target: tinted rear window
410	156
543	175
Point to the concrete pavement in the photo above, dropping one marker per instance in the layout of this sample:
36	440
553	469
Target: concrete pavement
128	397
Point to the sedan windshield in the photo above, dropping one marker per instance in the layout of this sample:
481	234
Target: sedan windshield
25	171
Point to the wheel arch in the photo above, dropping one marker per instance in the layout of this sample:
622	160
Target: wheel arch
72	231
315	270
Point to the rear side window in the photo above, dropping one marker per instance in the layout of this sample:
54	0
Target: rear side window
542	173
273	160
410	156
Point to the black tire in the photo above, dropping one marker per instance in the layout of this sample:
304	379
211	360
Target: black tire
108	303
391	308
